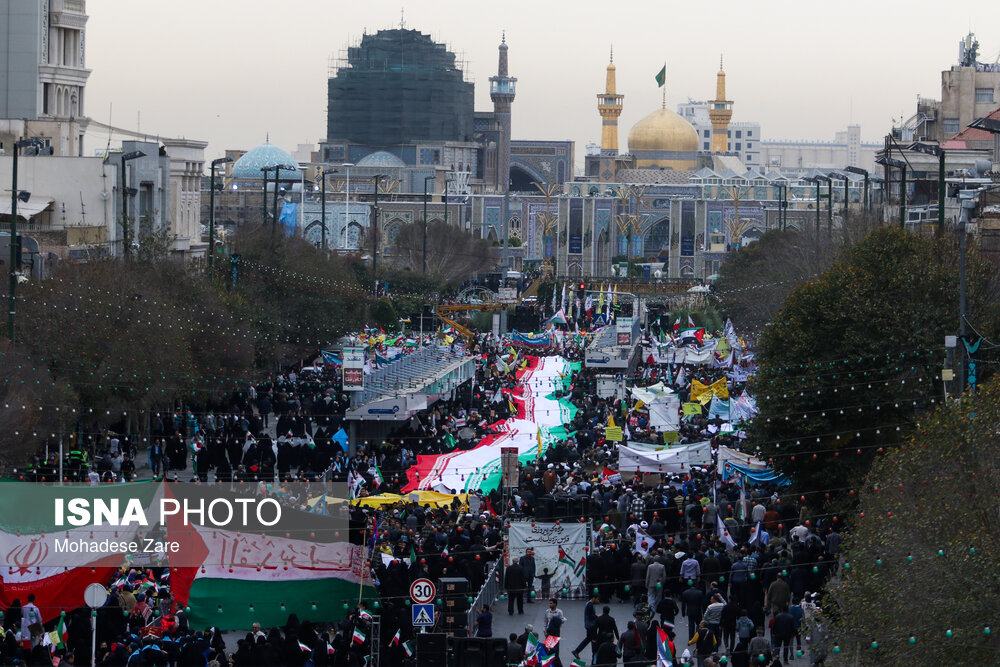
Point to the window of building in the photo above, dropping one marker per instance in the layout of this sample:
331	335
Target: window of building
707	133
749	145
729	133
949	126
749	133
514	227
739	146
739	134
984	95
705	146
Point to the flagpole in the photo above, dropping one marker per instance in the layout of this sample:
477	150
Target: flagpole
664	86
361	580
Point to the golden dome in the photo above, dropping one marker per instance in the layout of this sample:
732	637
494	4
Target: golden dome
663	130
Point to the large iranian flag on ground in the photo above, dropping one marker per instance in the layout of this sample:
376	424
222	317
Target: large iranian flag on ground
231	578
539	415
40	557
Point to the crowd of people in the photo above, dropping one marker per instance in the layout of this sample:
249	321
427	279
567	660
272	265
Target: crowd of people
743	592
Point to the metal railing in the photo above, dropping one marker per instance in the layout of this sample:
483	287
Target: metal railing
488	593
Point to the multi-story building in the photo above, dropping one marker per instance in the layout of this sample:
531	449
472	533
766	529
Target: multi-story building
969	90
743	138
846	150
43	73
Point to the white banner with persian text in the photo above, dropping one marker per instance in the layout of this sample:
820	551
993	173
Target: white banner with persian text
561	548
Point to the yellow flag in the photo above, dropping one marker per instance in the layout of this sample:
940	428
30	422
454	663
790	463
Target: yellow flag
639	405
539	441
721	389
700	392
611	421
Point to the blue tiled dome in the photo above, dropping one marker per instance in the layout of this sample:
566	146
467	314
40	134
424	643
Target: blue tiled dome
380	159
265	155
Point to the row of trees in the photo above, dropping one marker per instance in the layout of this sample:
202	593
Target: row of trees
112	338
853	410
853	355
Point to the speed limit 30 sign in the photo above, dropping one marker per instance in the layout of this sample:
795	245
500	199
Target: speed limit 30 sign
422	591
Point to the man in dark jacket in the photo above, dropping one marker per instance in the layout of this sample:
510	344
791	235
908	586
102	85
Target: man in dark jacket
631	646
527	562
607	653
515	584
692	601
606	624
782	633
515	652
589	626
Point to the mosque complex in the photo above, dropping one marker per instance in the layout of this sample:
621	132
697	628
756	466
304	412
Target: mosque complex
401	123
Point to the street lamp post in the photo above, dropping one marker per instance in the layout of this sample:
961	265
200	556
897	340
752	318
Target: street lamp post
347	198
322	208
782	189
15	194
211	208
426	178
445	196
862	172
277	181
374	227
930	149
810	179
847	194
829	202
126	227
265	170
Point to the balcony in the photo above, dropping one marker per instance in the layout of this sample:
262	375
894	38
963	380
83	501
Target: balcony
502	86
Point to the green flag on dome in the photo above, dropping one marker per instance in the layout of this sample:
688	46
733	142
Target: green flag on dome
661	77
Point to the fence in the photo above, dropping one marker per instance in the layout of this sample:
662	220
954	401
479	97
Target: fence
488	594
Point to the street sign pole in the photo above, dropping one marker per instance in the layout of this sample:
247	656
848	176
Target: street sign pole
95	595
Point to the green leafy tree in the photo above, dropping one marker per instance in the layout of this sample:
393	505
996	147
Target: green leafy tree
854	356
921	579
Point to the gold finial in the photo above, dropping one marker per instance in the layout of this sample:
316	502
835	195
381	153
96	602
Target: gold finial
612	53
720	62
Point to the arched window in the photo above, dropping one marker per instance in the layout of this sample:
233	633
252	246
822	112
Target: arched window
514	227
353	233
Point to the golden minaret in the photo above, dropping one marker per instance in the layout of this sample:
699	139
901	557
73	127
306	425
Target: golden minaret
720	112
609	105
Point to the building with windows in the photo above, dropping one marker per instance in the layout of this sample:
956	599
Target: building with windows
969	90
743	138
43	73
845	150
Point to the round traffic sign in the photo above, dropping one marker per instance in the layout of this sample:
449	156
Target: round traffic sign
422	591
95	595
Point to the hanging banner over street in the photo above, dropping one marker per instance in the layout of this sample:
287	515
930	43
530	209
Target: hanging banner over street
560	548
673	460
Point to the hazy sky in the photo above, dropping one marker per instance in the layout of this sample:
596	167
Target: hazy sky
231	71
